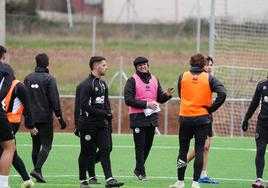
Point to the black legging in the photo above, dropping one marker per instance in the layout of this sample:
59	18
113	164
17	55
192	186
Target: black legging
261	142
42	143
186	134
90	140
143	139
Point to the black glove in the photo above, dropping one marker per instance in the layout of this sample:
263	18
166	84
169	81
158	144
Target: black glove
63	124
110	126
109	116
76	132
245	125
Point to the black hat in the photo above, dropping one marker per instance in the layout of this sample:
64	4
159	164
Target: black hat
140	60
41	60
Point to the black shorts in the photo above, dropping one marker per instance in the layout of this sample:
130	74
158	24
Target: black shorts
6	132
261	133
188	131
210	131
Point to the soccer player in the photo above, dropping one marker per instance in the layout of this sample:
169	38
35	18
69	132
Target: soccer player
195	89
7	140
93	123
17	103
203	177
143	91
261	137
91	168
44	99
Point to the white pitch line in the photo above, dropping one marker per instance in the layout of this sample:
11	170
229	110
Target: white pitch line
154	147
150	177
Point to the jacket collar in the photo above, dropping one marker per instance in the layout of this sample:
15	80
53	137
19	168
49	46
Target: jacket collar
196	70
41	69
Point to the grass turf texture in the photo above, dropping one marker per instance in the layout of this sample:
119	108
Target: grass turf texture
231	162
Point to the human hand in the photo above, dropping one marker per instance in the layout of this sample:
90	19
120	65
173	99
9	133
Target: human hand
109	116
208	109
34	131
76	132
245	125
152	105
63	124
168	92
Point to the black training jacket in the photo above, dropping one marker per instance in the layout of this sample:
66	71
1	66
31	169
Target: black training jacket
7	75
44	95
215	86
92	104
139	119
260	95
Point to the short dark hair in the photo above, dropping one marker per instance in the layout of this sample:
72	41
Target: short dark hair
2	51
95	59
42	60
209	58
198	60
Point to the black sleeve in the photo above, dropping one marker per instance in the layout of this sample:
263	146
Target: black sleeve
21	93
85	102
161	97
54	97
218	87
77	105
107	106
6	72
179	85
129	95
254	103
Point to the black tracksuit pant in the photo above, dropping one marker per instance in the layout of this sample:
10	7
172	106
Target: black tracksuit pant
186	133
261	140
90	139
143	139
17	161
42	143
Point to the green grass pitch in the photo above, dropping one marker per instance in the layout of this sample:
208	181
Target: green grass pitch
231	162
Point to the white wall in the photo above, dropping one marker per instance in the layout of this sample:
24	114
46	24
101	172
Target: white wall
174	11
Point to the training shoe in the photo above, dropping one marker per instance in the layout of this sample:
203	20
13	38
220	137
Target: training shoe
207	180
27	184
93	180
195	185
84	184
177	184
38	176
113	183
257	184
141	177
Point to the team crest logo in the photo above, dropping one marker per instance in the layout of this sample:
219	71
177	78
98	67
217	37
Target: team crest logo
34	86
100	100
137	130
257	135
265	99
87	137
96	89
264	87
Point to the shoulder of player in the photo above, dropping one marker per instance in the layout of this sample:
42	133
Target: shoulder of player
263	84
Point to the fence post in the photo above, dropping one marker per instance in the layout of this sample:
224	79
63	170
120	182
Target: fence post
198	31
3	22
94	36
166	119
211	29
70	16
120	96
